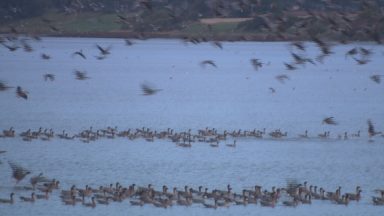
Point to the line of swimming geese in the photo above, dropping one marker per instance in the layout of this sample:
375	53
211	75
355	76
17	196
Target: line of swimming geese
292	196
182	139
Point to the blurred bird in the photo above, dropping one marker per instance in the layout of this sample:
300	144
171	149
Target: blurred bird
371	129
128	42
81	75
361	61
147	90
329	120
21	93
79	53
256	63
49	77
54	28
18	172
375	78
299	45
104	51
351	52
4	87
272	90
45	56
281	78
210	62
217	44
11	48
290	66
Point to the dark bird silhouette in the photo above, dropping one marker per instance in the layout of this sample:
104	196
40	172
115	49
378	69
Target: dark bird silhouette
290	66
371	129
281	78
80	75
351	52
256	63
79	53
45	56
299	45
210	62
104	51
54	28
49	77
147	90
376	78
217	44
11	48
329	120
18	172
4	87
361	61
365	52
128	42
272	90
21	93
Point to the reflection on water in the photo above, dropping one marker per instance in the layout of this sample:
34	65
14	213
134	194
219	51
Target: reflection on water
230	97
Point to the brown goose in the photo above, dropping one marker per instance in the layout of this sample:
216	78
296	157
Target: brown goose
18	172
29	199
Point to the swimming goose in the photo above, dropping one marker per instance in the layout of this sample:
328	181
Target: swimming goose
42	196
92	204
29	199
232	144
8	201
136	202
305	135
147	90
344	200
291	203
214	145
355	196
214	206
71	201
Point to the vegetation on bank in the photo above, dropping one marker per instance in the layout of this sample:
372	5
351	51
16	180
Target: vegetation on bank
265	20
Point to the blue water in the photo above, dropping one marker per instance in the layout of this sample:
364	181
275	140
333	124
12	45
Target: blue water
230	97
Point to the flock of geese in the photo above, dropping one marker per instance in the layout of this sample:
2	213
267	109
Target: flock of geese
293	194
184	138
42	188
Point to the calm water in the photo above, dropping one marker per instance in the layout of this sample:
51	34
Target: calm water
231	96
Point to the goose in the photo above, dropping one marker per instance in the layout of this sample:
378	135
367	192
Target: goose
92	204
4	87
8	201
48	76
343	201
79	53
21	93
136	202
214	145
232	144
18	172
147	90
71	201
329	120
355	196
104	51
256	63
80	75
305	135
206	62
42	196
292	203
29	199
214	206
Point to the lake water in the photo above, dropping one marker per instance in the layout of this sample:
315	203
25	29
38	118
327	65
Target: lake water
229	97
